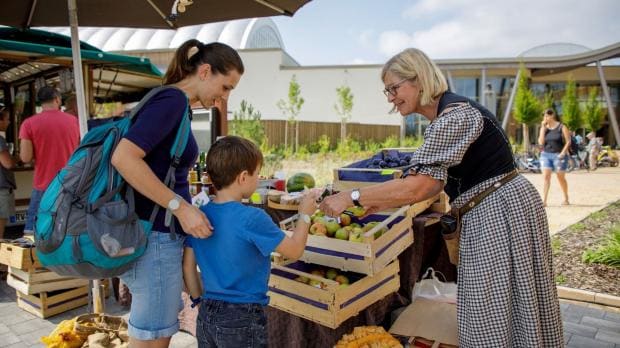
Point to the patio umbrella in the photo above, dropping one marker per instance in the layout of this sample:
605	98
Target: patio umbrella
170	14
131	13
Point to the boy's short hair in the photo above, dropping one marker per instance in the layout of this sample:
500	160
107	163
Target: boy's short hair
228	157
47	93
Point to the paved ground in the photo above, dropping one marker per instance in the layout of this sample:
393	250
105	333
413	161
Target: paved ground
587	192
585	325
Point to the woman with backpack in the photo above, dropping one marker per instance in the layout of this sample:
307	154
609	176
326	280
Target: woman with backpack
555	139
200	73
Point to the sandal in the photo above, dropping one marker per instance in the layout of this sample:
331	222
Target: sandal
565	203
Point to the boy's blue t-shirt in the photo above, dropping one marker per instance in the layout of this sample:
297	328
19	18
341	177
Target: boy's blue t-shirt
235	261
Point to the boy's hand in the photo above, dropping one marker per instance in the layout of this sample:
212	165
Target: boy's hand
308	203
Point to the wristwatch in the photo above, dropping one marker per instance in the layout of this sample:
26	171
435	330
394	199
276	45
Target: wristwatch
355	197
175	203
305	218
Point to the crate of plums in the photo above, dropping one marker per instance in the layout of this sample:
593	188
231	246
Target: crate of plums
359	244
326	295
386	165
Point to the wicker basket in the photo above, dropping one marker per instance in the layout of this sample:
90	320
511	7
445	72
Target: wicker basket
89	324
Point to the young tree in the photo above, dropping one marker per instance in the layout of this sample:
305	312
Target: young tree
571	115
593	111
246	123
343	108
548	101
527	109
291	109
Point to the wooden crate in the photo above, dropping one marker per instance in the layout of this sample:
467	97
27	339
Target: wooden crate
40	280
333	304
367	176
341	184
50	303
371	255
18	257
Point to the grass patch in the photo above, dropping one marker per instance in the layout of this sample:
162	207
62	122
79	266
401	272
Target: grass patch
560	279
599	215
608	253
578	227
556	245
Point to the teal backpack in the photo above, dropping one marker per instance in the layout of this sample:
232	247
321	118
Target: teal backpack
86	224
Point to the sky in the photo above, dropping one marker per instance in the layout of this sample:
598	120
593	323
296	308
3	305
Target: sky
342	32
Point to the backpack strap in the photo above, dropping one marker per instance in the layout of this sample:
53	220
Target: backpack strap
178	147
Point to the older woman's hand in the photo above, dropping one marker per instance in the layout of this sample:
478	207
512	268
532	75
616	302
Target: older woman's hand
336	204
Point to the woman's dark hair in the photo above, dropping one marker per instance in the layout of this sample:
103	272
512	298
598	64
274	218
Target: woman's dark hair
550	112
221	57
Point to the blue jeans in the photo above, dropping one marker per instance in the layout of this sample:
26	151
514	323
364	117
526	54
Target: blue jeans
156	282
552	160
231	325
33	208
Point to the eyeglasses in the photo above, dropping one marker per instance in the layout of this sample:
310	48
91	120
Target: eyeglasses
393	89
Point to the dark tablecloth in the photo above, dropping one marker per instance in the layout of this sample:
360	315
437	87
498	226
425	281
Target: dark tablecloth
287	330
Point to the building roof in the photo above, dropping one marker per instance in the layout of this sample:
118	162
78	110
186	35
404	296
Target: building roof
239	34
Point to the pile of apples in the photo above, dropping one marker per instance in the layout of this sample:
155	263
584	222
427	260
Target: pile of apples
330	273
343	228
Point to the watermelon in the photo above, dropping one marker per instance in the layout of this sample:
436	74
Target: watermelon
299	181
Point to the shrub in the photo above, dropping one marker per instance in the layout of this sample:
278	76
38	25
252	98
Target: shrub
608	253
391	141
324	144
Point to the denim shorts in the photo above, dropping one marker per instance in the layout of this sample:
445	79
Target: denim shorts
231	325
551	160
33	208
156	282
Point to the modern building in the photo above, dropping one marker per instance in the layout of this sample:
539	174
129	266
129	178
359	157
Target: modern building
269	70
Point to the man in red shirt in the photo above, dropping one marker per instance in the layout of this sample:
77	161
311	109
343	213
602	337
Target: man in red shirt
49	138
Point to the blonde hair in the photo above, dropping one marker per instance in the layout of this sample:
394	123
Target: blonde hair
413	63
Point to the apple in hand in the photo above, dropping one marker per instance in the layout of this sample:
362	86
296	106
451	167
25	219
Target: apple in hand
345	219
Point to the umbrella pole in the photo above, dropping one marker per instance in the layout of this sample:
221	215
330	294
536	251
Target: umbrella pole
82	114
77	67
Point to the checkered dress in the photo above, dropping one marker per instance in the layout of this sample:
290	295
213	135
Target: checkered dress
506	291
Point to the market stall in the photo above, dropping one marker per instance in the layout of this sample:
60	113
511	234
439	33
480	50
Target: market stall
30	59
354	272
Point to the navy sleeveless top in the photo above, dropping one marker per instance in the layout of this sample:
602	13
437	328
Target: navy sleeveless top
554	140
488	156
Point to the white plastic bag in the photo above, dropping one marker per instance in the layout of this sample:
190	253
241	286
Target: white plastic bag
432	288
200	199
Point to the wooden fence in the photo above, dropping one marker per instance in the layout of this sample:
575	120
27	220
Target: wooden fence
310	132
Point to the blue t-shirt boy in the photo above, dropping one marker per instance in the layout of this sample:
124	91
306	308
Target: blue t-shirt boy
234	262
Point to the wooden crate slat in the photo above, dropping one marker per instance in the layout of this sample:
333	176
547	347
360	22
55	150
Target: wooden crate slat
43	305
40	280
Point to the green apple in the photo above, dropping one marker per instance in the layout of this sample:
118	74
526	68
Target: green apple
318	229
345	219
342	279
332	226
356	236
331	274
357	211
316	284
369	226
355	224
302	280
342	233
318	272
